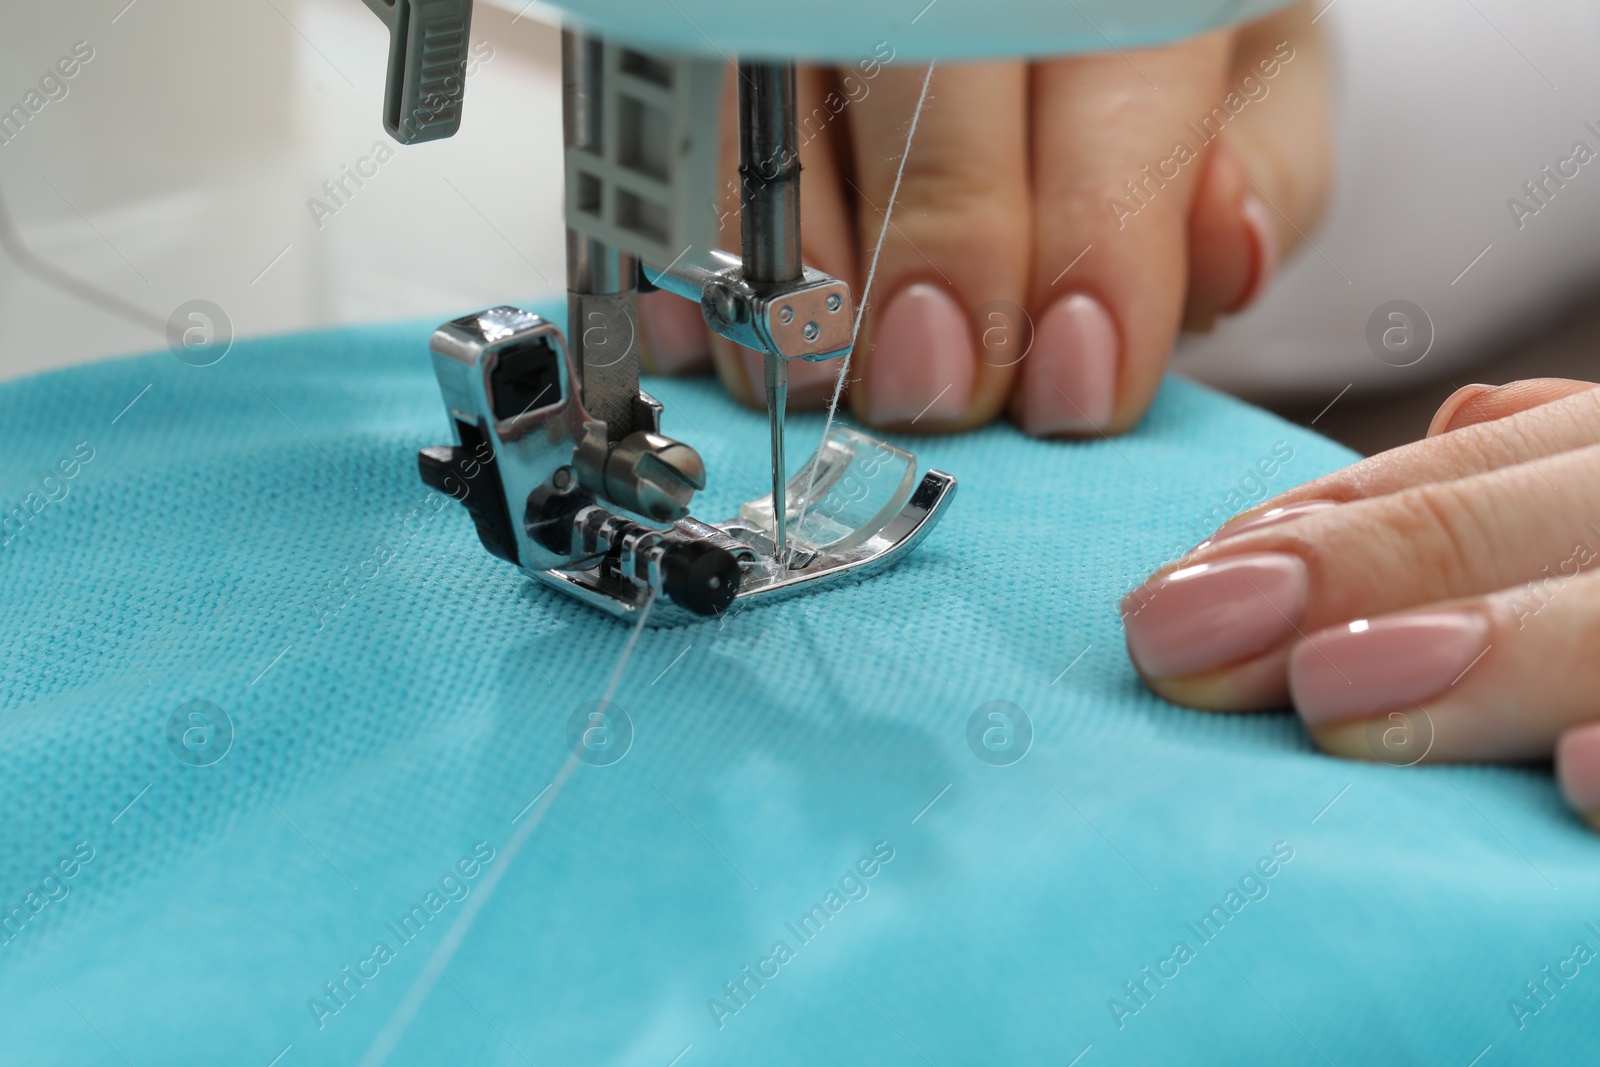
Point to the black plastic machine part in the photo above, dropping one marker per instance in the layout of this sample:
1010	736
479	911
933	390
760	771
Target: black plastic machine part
701	577
698	576
526	376
470	473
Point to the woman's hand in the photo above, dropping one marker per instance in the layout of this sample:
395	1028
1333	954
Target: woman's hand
1056	224
1439	602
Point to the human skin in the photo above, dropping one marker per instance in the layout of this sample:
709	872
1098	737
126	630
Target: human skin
1441	598
1013	177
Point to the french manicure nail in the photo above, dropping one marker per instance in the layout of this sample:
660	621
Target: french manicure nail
1264	243
1452	406
1199	618
1578	769
1371	666
1071	373
1274	517
675	331
923	363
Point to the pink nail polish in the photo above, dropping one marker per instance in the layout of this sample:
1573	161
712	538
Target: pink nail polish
1578	767
675	331
1274	517
1371	666
1264	240
1070	376
923	363
1199	618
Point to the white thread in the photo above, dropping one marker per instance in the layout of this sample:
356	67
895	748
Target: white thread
394	1029
855	331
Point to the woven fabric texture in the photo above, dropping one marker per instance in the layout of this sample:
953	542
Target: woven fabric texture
251	537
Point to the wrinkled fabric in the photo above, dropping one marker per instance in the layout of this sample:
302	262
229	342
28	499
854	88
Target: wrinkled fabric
801	859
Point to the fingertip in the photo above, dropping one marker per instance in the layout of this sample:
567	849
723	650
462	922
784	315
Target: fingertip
1474	404
1263	236
1578	770
1223	254
1238	689
1444	420
923	364
1260	684
1346	739
1069	378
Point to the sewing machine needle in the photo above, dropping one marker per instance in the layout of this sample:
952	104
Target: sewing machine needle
777	399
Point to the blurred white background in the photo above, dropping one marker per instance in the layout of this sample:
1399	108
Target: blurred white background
180	162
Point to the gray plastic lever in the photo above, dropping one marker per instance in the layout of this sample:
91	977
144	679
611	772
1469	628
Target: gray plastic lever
427	66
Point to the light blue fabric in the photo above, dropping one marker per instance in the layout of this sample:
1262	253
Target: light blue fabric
847	31
382	731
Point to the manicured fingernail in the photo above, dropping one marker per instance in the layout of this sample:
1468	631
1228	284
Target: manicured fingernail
675	331
923	362
1453	405
1274	517
1071	372
1264	243
1370	666
1199	618
1578	770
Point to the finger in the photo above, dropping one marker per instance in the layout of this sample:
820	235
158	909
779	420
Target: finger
1115	170
1473	404
674	335
1278	142
1578	770
1195	632
1233	247
1525	437
957	240
1494	678
827	234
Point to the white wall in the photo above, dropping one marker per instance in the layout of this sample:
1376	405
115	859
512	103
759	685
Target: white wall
193	139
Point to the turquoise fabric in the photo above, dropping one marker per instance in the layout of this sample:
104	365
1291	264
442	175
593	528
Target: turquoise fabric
253	534
848	31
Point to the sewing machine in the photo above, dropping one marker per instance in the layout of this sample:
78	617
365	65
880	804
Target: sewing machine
559	456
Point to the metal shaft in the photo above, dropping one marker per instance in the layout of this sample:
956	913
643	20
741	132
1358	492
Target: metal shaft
769	226
769	174
602	296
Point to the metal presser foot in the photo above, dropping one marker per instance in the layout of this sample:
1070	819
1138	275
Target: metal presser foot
609	524
559	455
